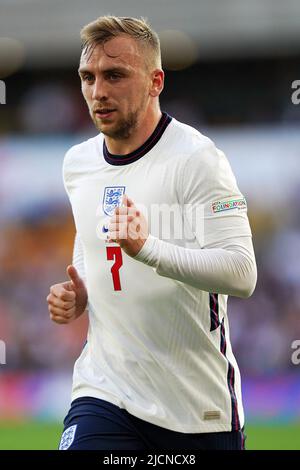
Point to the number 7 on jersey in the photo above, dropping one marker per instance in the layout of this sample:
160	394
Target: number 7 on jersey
115	253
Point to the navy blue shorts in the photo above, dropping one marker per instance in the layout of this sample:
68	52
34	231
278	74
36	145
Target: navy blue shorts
94	424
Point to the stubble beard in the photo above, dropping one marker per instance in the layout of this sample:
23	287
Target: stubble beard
124	128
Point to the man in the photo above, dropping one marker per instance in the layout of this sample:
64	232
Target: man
157	370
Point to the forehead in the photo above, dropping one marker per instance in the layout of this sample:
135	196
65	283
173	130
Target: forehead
122	50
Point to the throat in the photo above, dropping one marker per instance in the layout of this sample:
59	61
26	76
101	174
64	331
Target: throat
123	153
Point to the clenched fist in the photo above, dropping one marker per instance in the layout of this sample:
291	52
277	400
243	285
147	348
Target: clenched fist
128	227
67	300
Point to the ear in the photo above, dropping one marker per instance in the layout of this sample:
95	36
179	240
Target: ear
157	82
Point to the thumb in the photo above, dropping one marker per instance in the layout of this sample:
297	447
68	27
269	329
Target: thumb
127	201
74	277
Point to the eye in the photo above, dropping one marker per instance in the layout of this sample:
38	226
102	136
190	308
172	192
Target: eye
113	76
88	77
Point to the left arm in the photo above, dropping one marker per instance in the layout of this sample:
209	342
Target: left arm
229	269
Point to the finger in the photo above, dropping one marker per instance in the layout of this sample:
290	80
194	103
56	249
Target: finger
127	202
59	303
130	202
74	276
63	291
56	311
124	200
121	210
114	227
60	320
119	233
116	219
123	217
68	285
120	226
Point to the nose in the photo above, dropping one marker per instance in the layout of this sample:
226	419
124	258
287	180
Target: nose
99	90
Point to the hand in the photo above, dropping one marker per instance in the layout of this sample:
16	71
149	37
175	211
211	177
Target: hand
128	227
67	300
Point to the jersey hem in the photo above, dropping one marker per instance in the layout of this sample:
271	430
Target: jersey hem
172	426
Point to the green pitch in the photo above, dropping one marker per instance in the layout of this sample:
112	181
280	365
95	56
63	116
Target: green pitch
43	435
29	435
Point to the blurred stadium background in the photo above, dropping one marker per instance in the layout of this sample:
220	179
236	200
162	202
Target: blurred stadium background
230	67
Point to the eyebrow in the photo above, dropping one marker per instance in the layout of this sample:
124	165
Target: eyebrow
119	69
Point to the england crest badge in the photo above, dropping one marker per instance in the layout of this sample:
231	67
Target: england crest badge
112	199
67	437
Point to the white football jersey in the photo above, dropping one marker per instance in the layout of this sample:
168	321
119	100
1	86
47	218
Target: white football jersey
157	347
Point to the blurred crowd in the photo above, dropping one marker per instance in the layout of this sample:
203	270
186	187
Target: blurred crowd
34	255
264	326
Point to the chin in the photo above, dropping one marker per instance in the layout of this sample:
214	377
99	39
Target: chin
103	127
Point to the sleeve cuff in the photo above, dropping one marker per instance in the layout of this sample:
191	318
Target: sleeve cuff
150	252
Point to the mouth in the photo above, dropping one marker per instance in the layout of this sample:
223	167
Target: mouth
104	113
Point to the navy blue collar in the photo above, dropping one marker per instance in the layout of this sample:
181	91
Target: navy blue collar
143	149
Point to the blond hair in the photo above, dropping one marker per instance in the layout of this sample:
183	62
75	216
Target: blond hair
105	28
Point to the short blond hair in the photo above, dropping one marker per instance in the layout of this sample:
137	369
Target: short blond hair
105	28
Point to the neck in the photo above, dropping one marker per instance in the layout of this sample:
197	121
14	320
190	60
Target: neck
145	128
